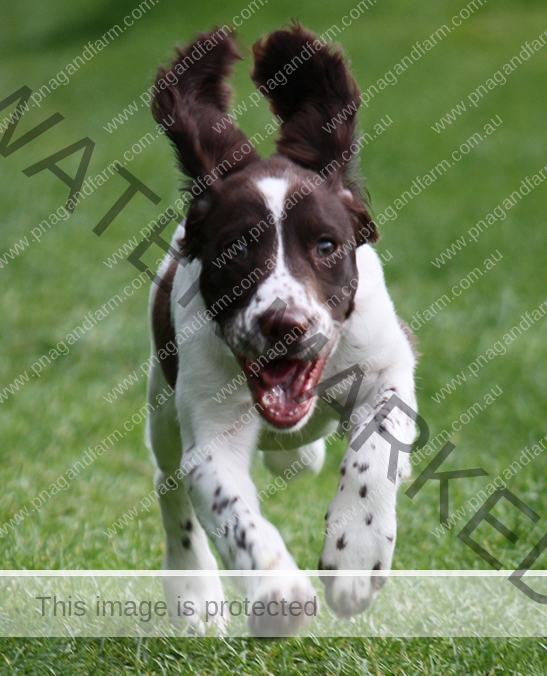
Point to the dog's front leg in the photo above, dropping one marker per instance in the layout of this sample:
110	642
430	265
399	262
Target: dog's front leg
226	503
360	521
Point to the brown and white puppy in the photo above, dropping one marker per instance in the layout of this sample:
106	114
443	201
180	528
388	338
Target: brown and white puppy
290	294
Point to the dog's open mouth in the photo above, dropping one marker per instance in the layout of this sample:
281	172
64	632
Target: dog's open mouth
280	386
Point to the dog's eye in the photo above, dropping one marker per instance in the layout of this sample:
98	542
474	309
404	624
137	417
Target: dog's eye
325	247
237	250
242	251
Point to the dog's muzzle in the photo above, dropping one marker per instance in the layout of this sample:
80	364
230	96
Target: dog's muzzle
289	366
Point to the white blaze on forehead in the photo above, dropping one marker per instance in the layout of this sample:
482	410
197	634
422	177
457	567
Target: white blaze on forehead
274	191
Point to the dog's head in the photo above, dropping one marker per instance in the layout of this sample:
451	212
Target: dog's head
276	237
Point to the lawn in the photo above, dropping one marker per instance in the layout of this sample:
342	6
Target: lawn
51	283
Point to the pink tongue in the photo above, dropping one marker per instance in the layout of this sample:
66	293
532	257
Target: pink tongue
277	373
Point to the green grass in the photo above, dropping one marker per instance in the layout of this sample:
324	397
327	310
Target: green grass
47	291
303	657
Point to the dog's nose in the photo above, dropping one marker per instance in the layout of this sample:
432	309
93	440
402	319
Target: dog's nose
276	326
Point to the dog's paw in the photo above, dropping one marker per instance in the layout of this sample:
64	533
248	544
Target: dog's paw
361	545
188	600
349	595
289	604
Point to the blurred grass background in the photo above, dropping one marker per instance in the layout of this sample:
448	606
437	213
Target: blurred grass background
48	289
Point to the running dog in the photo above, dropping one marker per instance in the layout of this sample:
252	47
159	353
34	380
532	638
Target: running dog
291	301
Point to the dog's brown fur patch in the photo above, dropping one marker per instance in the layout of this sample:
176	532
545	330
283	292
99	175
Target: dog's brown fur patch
163	328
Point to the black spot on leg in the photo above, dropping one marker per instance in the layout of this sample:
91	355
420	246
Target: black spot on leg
368	519
240	540
363	491
378	566
217	491
389	538
341	487
222	505
343	471
188	525
341	542
186	543
363	467
327	514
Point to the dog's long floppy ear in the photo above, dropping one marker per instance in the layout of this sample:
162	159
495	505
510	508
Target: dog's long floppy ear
190	100
318	105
